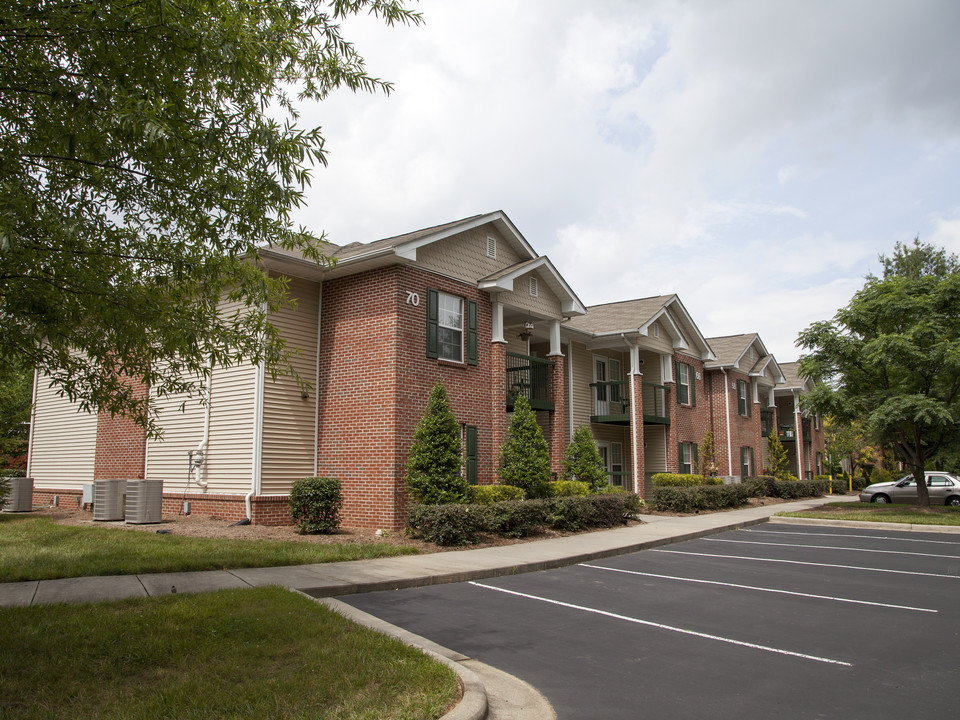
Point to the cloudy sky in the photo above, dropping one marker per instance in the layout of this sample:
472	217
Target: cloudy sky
753	156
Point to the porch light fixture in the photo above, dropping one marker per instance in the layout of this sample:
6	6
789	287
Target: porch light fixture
527	331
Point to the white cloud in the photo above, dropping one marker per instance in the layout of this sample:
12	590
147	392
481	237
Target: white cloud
754	157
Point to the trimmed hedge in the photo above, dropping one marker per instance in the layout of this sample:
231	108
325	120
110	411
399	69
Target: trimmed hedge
448	524
568	488
489	494
701	497
768	486
315	505
461	524
683	480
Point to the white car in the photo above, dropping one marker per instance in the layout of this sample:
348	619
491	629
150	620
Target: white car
943	488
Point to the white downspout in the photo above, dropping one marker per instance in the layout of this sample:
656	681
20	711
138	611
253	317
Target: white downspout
634	371
316	388
798	431
33	420
257	441
726	398
570	387
205	440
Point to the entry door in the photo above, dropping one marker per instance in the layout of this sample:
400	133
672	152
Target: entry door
605	369
612	456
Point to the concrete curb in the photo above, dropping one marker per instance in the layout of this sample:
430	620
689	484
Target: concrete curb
473	703
442	578
868	525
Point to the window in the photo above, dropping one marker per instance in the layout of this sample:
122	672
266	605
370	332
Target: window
746	462
450	335
612	456
686	386
742	402
687	458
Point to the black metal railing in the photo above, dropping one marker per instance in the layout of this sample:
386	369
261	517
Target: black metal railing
529	377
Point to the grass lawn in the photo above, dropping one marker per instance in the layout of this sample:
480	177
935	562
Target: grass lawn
937	515
259	653
35	548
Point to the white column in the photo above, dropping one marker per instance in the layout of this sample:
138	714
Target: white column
554	338
498	323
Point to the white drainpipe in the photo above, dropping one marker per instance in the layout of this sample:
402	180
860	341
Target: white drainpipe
726	397
205	440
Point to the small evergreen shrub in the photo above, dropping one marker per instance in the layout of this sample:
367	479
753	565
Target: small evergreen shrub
435	462
12	472
683	480
879	475
859	483
567	488
315	505
582	461
700	497
760	485
794	489
448	524
4	490
525	456
489	494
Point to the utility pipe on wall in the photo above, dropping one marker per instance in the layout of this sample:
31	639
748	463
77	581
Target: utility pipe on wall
205	440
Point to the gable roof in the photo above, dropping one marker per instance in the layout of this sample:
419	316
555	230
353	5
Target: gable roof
792	379
635	317
357	256
504	279
731	351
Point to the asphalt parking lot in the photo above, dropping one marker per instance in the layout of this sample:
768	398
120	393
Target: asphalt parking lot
770	621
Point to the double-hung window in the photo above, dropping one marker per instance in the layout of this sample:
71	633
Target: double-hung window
687	458
743	403
686	386
451	327
746	462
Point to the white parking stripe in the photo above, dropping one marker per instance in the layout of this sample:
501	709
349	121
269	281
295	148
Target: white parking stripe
759	589
813	564
832	547
661	626
848	535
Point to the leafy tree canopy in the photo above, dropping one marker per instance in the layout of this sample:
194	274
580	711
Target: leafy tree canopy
891	358
147	149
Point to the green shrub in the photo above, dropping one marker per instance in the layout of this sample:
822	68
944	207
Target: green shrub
4	490
525	456
683	480
448	524
582	460
879	475
567	488
859	483
760	485
607	510
434	465
794	489
517	518
489	494
315	505
12	472
700	497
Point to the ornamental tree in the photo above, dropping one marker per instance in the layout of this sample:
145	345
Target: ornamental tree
147	150
525	456
582	460
891	358
435	463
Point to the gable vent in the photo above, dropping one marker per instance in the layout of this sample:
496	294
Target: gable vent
492	248
534	288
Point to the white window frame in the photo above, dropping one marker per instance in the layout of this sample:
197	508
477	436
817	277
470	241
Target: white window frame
443	314
686	450
680	383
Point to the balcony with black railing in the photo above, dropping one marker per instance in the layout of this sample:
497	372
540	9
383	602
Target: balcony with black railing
611	403
767	418
529	377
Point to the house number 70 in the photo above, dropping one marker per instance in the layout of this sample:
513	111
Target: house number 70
413	298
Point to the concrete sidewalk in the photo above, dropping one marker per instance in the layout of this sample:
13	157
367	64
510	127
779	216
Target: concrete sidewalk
344	578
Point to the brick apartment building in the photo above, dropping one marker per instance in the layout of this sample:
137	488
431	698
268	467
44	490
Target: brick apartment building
469	304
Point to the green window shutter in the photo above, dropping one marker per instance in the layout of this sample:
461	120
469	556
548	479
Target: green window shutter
433	323
696	459
471	444
693	386
679	457
472	356
750	403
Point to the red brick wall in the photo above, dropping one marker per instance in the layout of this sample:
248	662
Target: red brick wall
375	380
744	431
121	444
687	423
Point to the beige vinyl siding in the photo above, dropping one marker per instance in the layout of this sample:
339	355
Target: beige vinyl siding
182	432
582	368
289	420
662	344
655	449
514	343
650	367
228	461
63	441
546	302
464	256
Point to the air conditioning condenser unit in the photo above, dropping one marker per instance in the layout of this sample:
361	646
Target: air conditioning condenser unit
144	501
108	499
21	495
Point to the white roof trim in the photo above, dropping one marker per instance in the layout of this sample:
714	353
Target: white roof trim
569	303
408	250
